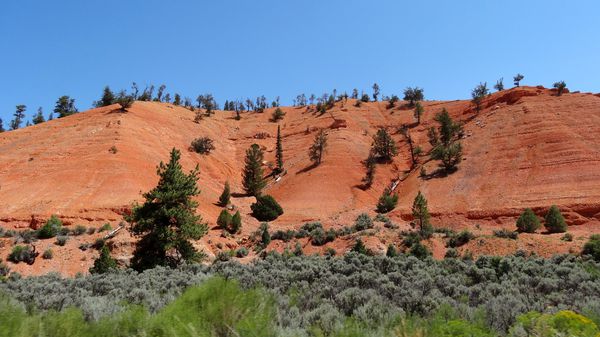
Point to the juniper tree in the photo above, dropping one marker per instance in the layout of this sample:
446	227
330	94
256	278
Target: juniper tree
279	152
159	94
177	100
393	100
318	147
19	116
517	79
2	125
135	90
104	263
375	91
354	93
499	84
387	201
224	220
236	223
359	247
167	98
265	237
446	148
166	221
554	221
370	171
252	176
478	94
39	117
108	97
560	87
528	222
277	115
418	112
266	208
420	213
383	145
225	196
124	100
413	95
65	106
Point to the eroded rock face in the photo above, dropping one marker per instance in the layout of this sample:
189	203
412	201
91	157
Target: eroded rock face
526	148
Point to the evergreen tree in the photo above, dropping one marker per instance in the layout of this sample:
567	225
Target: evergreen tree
65	106
277	115
124	100
375	91
224	220
383	145
391	251
225	196
159	94
104	263
167	98
108	97
252	177
420	213
354	94
446	146
177	100
560	87
387	201
554	221
19	116
370	171
478	94
265	237
418	112
413	95
517	79
318	147
266	208
499	84
39	117
359	247
279	152
2	125
236	223
528	222
167	221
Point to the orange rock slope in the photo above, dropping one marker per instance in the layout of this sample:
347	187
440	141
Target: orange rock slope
526	148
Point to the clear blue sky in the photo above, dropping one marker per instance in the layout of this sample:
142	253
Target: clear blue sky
238	49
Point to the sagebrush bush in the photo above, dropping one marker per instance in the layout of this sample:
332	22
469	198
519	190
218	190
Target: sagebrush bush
362	222
506	234
21	253
324	294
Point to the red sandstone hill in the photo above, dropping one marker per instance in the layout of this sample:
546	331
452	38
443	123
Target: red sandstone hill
526	148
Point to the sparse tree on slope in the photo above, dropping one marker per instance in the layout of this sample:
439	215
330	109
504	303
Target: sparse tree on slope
383	145
39	117
225	196
528	222
418	112
478	94
2	125
177	100
370	171
560	87
318	147
166	221
554	221
252	177
517	79
375	91
413	95
104	263
19	116
499	85
421	215
279	152
446	146
65	106
108	98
